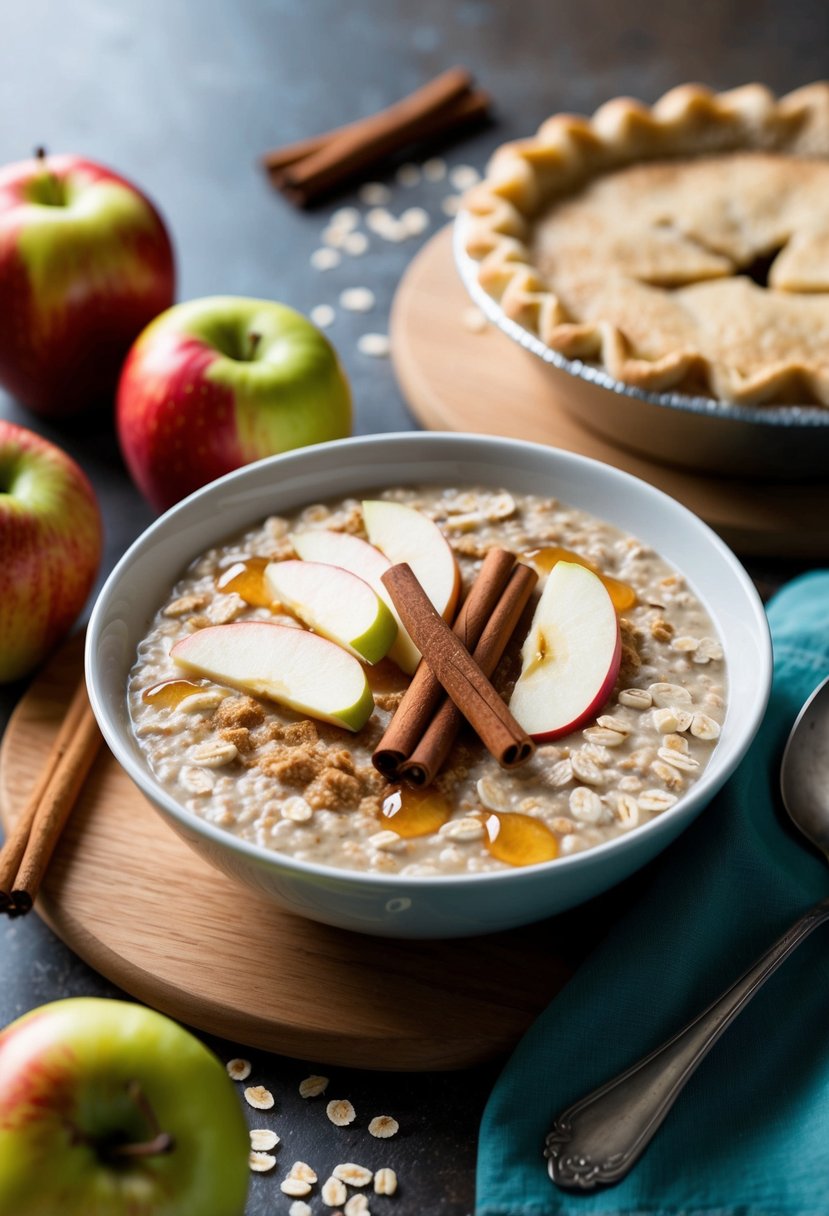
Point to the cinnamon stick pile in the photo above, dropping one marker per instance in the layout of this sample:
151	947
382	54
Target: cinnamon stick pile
307	170
452	684
28	848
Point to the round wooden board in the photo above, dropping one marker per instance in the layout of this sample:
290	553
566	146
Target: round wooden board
127	895
458	380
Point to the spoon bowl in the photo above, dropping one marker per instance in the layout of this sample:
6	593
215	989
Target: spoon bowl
804	769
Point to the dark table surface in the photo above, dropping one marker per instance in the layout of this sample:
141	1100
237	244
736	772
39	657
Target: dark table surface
183	97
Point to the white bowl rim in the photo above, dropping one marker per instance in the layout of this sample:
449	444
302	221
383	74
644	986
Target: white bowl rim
143	777
787	416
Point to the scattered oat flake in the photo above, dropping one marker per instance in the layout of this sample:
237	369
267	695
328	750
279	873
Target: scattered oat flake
295	1187
407	175
341	1112
451	205
383	1126
346	217
474	320
333	1192
357	299
385	1181
238	1070
374	194
325	259
322	315
258	1097
299	1208
356	1206
375	345
262	1139
464	176
353	1175
355	244
260	1163
313	1086
303	1171
434	169
333	236
415	220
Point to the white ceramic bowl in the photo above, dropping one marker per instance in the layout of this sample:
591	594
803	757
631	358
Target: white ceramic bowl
782	443
446	906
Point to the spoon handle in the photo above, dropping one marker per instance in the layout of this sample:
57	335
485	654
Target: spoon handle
596	1141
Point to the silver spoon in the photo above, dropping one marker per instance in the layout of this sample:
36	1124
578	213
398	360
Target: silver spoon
596	1141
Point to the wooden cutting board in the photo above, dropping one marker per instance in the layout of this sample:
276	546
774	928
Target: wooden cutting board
458	380
127	895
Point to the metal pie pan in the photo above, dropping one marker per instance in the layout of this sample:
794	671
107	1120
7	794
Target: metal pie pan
779	442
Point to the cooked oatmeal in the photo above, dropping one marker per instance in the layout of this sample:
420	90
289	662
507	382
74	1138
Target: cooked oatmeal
308	789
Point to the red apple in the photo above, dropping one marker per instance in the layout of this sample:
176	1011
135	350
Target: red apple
570	657
110	1109
50	546
213	384
85	263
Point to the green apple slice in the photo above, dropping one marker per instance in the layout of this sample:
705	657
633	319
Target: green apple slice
335	603
359	557
287	665
404	534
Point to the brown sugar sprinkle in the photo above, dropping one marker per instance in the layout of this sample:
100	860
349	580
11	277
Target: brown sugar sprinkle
297	766
342	760
238	711
239	736
388	701
295	734
334	790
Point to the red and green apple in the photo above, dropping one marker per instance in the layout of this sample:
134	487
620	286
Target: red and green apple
50	546
216	383
85	263
107	1107
570	657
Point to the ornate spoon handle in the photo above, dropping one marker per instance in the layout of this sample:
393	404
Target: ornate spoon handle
596	1141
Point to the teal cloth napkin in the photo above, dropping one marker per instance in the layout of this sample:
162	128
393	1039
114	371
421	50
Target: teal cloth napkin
749	1135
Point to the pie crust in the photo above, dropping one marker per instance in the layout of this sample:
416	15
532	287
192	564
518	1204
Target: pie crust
684	247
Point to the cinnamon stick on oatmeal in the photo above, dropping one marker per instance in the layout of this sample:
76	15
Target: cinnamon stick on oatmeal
457	671
430	753
424	694
55	799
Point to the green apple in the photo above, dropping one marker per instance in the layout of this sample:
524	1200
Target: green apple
305	672
50	547
336	604
110	1109
216	383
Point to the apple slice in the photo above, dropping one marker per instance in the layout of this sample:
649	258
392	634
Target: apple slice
298	669
335	603
570	657
403	534
360	558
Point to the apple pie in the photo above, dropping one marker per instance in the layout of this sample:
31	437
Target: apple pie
683	247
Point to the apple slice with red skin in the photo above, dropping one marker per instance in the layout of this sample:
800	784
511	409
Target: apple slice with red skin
570	657
360	558
285	664
336	604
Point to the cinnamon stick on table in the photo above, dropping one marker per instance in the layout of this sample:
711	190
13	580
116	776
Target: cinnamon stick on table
457	671
26	854
428	756
310	168
424	694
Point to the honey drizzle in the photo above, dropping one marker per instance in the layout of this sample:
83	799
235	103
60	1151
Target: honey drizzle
247	579
518	840
414	812
169	693
622	594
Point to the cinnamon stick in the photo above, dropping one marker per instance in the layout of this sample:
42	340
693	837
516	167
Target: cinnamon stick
425	692
11	854
456	669
66	776
430	753
311	168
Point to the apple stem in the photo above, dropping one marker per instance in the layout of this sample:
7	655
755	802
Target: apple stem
253	345
49	177
162	1143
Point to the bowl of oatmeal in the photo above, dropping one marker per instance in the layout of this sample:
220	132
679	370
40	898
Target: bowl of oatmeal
286	799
